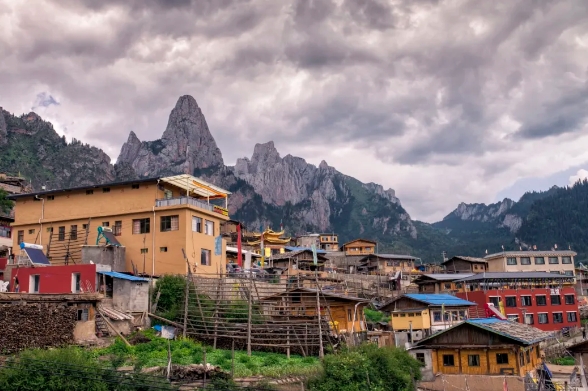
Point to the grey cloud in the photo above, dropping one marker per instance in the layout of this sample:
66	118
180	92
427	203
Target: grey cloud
44	100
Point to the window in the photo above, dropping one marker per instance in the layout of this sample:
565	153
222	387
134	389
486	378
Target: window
501	358
84	226
541	300
76	280
34	283
495	300
569	272
529	319
106	223
163	249
83	314
539	261
553	261
144	250
88	192
557	317
20	237
117	229
542	318
135	186
349	315
511	301
566	260
462	315
436	316
389	263
525	301
50	198
513	317
205	257
169	223
296	297
106	189
50	230
511	261
141	226
447	285
572	318
569	299
473	360
525	261
420	357
521	359
555	299
448	360
209	227
31	231
61	234
196	224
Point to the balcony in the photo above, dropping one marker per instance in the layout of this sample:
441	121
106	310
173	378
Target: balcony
193	202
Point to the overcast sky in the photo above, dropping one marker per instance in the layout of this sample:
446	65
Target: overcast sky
444	101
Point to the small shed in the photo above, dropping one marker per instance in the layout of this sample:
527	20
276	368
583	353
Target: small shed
129	293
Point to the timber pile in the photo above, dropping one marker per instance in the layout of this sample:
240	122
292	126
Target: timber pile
583	311
36	325
189	373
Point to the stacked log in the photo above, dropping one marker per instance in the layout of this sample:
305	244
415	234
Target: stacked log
36	325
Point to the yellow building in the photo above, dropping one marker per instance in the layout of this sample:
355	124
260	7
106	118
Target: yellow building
154	219
271	241
486	346
359	247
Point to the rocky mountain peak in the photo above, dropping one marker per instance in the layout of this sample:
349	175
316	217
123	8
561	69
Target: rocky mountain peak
264	156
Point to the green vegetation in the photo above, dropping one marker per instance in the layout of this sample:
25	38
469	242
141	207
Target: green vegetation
367	368
5	203
70	369
374	316
186	351
171	291
567	360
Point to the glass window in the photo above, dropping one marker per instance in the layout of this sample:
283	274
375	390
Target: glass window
420	357
525	260
525	301
473	360
511	301
73	234
196	224
539	261
20	237
569	299
61	237
566	260
555	299
31	231
569	272
169	223
501	358
141	226
75	282
572	317
205	257
541	300
495	300
209	227
542	318
513	317
436	316
511	261
448	360
557	317
553	261
82	314
529	319
117	229
106	223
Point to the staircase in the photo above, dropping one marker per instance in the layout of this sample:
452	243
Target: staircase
101	326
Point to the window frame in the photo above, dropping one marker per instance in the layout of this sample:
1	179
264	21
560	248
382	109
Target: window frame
552	301
555	259
473	360
446	362
144	226
511	261
566	260
561	317
537	303
510	298
530	316
539	315
575	320
169	223
502	356
572	296
205	253
61	234
539	263
524	301
73	233
197	224
525	260
207	230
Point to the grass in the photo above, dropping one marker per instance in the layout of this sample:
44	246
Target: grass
186	351
567	360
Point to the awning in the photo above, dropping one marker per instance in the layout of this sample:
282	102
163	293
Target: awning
196	186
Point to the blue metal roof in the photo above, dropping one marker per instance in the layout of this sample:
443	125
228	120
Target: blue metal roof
123	276
292	248
486	320
439	299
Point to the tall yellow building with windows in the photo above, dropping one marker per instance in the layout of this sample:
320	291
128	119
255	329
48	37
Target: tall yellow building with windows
154	219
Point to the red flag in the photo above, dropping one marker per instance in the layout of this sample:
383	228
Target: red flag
239	252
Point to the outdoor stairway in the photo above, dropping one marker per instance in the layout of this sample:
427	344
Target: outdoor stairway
101	326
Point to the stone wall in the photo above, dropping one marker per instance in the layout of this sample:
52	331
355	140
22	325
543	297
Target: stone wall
36	325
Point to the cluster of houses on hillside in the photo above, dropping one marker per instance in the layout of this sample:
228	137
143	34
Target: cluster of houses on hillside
466	315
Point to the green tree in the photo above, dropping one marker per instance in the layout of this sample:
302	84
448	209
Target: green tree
5	203
368	368
171	296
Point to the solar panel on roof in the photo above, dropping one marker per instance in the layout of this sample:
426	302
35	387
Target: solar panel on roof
37	256
111	238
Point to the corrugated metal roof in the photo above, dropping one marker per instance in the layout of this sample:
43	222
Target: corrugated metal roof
438	299
535	253
466	259
292	248
123	276
392	256
513	276
443	277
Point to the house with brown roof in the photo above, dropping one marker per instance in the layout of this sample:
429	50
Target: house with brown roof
299	262
359	247
461	264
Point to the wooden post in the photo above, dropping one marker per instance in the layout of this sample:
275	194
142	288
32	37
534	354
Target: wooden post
318	312
216	312
288	342
186	296
249	310
204	363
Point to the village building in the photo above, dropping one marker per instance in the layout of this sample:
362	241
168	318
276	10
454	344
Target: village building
343	313
387	264
545	300
5	236
269	242
581	283
580	352
532	261
299	264
425	314
438	283
153	219
359	247
307	240
487	346
461	264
